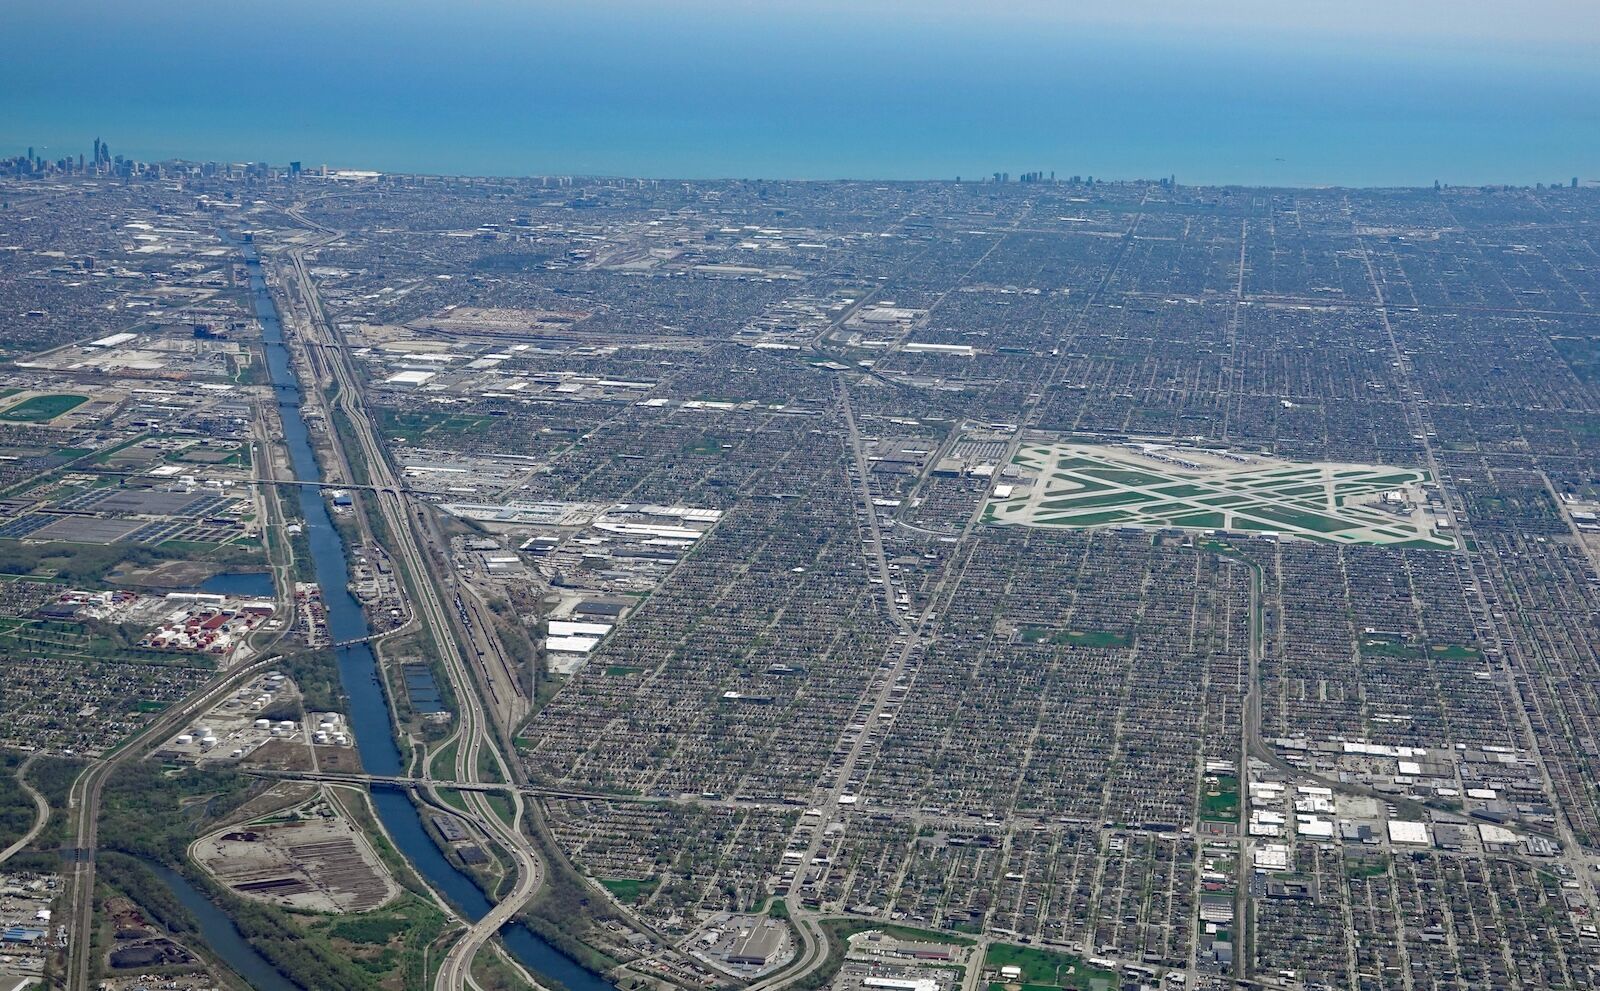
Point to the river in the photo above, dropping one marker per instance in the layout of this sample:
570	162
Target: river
369	710
221	935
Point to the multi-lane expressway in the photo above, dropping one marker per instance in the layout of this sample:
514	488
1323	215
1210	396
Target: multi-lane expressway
413	543
41	812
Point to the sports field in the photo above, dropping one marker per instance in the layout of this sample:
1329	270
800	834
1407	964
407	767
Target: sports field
1159	486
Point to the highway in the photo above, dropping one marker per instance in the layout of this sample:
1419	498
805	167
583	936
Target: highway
324	367
83	802
420	548
41	811
482	677
484	721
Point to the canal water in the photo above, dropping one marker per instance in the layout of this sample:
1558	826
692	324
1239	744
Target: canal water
221	935
369	710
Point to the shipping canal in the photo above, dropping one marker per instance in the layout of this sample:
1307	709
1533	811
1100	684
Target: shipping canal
368	709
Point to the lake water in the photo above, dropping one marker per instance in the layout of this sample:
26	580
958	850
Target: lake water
698	89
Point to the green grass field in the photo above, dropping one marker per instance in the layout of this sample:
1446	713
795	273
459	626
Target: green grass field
1096	519
627	890
502	808
1102	499
1200	521
1399	649
1223	805
1364	867
1045	969
39	409
443	764
1299	519
1080	638
411	426
1123	476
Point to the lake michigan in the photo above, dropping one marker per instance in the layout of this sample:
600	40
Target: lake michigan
679	91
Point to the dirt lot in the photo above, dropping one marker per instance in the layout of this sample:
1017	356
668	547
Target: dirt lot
313	860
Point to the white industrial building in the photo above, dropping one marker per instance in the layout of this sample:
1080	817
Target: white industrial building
113	341
1408	833
568	628
409	379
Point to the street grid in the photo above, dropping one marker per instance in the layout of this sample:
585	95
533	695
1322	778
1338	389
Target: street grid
1305	498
